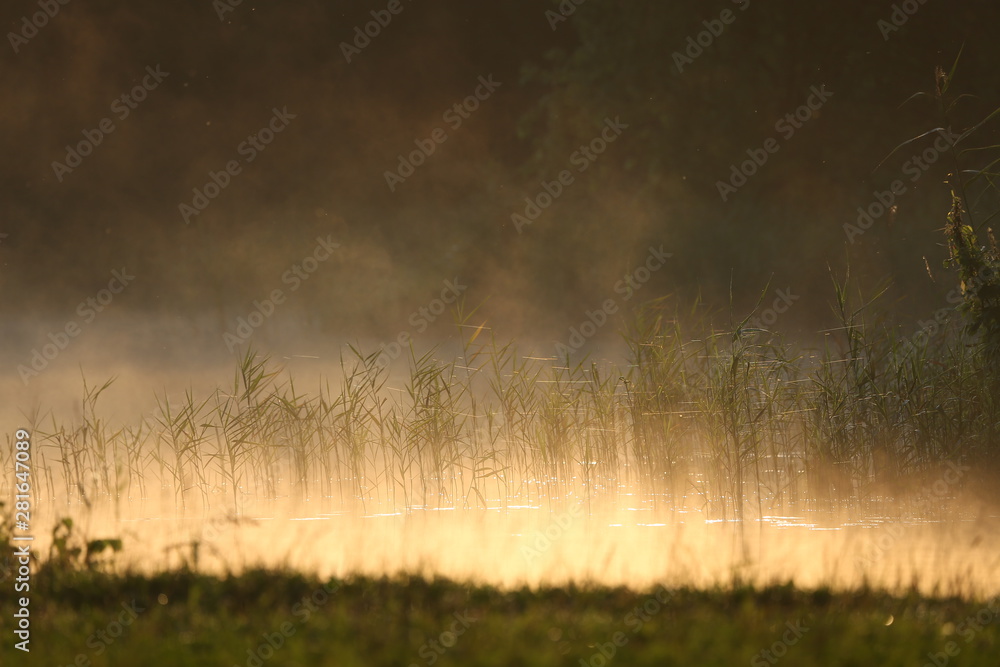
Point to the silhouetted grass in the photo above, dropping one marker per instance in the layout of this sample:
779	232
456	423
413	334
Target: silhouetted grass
183	617
735	420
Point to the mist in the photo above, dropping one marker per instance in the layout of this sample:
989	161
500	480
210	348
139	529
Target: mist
643	202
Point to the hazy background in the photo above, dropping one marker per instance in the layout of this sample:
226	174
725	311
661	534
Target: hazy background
324	174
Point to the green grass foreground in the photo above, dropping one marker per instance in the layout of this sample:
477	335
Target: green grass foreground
187	618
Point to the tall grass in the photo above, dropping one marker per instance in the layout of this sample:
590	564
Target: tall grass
734	421
730	419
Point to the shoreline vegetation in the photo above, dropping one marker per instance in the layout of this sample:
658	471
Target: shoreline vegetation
734	421
731	421
281	617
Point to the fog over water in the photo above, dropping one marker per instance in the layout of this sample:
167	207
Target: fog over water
380	201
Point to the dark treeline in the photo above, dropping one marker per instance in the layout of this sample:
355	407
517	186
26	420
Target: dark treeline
694	89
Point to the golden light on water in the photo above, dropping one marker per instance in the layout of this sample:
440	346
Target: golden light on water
535	546
485	292
583	526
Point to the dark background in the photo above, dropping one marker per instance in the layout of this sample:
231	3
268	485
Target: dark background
324	174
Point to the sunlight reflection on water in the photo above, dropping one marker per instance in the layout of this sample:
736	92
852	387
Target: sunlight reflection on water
525	544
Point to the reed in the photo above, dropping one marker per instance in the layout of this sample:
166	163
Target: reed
734	419
729	418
